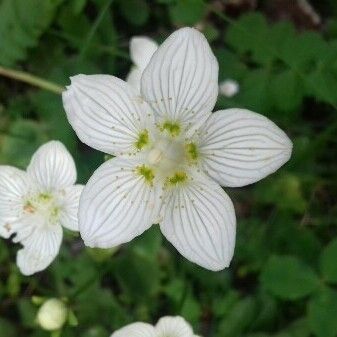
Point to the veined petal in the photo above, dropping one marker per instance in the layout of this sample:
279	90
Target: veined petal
239	147
69	207
41	245
117	204
14	186
134	77
136	330
141	50
106	113
181	81
199	220
173	326
52	166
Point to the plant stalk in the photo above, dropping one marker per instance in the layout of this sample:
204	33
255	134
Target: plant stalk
31	79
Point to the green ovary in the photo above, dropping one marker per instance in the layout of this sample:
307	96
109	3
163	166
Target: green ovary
147	173
172	128
177	178
143	140
192	152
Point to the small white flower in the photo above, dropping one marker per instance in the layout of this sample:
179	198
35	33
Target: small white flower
52	314
229	88
166	327
35	203
172	153
141	50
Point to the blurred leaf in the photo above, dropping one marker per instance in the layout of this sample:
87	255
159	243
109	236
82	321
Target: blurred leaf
7	329
329	262
14	282
285	192
287	91
21	25
140	279
239	318
27	312
191	309
288	277
187	12
23	139
322	313
251	34
135	11
96	331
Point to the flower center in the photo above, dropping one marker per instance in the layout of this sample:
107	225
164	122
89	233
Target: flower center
166	155
43	205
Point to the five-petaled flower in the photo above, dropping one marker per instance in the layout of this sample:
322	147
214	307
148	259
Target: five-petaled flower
166	327
172	153
35	204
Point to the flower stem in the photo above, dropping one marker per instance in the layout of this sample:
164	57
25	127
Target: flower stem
31	79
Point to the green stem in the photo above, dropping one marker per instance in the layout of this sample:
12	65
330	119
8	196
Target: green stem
31	79
94	27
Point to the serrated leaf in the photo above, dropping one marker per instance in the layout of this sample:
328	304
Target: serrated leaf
322	314
329	262
288	277
21	25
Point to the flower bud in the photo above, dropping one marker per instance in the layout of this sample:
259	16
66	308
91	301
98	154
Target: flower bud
229	88
52	314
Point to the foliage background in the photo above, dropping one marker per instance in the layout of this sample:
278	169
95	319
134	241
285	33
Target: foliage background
282	281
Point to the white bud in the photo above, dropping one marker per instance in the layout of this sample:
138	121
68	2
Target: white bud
52	314
229	88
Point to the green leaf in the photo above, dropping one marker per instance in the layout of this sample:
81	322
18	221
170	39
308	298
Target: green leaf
322	314
136	12
22	23
288	277
22	140
329	262
287	91
255	91
7	329
239	318
251	34
187	12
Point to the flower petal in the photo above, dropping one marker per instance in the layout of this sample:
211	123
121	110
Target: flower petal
141	50
173	326
52	166
117	204
41	245
106	113
136	330
14	186
134	77
199	220
181	81
70	204
239	147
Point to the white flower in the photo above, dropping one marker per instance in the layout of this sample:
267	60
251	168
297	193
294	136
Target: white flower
141	50
229	88
166	327
34	204
172	153
52	314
